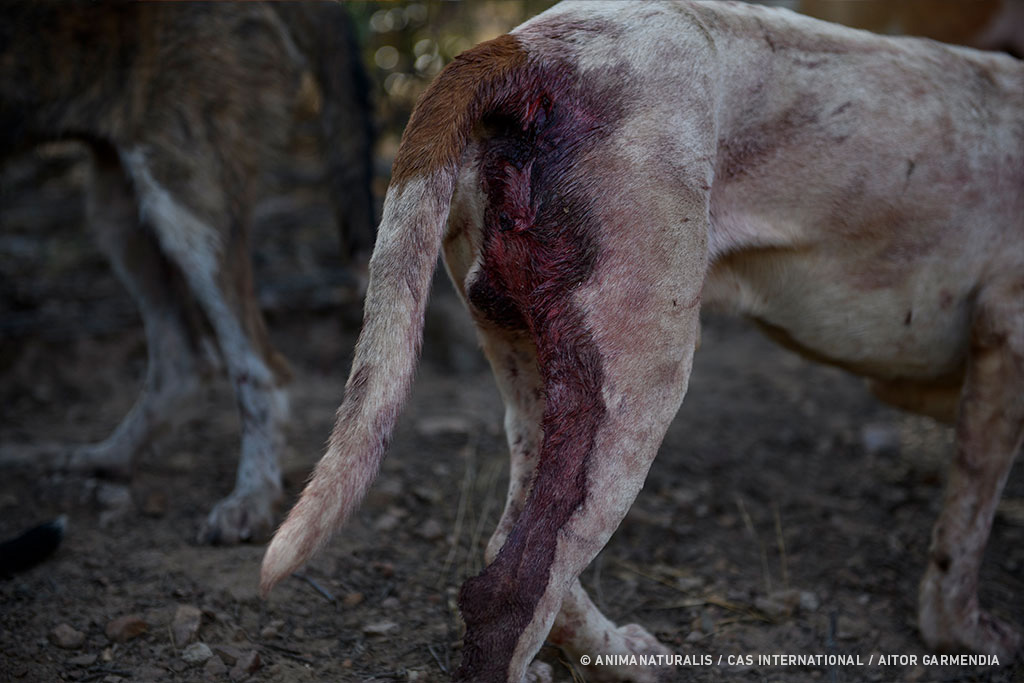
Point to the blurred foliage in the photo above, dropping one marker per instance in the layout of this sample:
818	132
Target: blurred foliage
406	44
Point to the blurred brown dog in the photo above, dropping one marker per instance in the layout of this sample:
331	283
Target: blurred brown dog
186	108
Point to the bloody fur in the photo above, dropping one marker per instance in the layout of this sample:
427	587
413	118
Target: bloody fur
539	241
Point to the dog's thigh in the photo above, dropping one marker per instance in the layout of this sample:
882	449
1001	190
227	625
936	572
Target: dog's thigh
989	432
201	234
173	328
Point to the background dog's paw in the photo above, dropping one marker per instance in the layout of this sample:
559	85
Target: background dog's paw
241	518
105	458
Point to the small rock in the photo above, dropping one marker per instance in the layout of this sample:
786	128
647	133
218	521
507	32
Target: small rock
215	668
185	627
352	599
379	628
155	504
197	653
247	664
82	660
879	438
113	496
430	530
391	603
850	629
809	602
773	606
386	522
148	673
65	636
428	494
227	653
125	628
689	583
694	636
386	569
273	629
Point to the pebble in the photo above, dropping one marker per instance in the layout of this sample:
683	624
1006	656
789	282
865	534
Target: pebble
228	653
155	504
82	660
125	628
850	629
273	629
430	530
352	599
879	438
185	627
113	496
197	653
247	664
379	628
65	636
215	668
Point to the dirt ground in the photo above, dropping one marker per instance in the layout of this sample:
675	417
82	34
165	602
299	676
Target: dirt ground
788	512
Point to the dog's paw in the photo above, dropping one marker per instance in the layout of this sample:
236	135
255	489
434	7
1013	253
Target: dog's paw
979	632
242	518
539	672
632	639
949	624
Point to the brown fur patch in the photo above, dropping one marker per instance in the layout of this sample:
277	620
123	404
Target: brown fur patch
470	77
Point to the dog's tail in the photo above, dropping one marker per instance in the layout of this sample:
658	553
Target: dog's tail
479	81
32	547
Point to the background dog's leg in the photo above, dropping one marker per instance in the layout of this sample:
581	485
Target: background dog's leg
215	264
172	323
989	431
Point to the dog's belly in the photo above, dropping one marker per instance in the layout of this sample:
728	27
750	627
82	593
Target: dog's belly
846	312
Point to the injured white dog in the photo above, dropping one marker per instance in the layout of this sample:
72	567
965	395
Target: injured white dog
607	169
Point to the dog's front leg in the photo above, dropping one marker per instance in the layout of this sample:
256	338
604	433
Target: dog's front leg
989	431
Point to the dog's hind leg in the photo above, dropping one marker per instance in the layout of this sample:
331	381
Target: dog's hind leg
989	432
202	238
580	627
173	324
612	362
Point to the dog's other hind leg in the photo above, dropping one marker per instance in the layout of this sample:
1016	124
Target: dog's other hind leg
210	248
173	325
989	432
